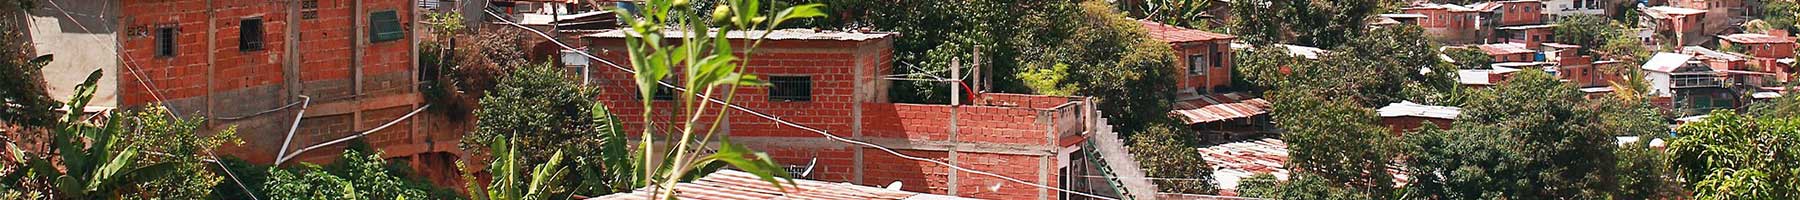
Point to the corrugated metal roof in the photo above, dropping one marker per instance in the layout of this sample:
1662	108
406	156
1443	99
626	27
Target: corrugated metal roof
783	34
1173	34
1504	48
1410	109
1664	12
1234	161
1709	53
1218	107
1755	38
738	185
1667	62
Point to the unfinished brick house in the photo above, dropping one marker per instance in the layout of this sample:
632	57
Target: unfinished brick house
1485	22
833	81
347	65
1203	59
1679	26
1764	53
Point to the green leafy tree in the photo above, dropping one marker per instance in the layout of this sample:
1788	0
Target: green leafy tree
1780	14
1262	68
1167	153
24	100
1588	31
1733	156
176	141
356	175
1469	58
1336	141
1118	64
1261	185
1302	186
1048	81
1183	13
1565	148
546	112
1316	23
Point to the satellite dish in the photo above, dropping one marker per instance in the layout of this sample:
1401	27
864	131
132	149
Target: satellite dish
893	186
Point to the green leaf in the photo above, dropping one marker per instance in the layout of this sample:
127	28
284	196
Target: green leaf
738	156
798	12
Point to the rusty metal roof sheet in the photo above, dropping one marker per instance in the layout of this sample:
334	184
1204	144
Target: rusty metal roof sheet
1749	38
1173	34
1218	107
738	185
1237	160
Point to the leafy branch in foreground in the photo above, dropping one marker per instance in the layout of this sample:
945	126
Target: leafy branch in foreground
707	64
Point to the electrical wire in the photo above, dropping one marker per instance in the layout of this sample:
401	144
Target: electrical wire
778	120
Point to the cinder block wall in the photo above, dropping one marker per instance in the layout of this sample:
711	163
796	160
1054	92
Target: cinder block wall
323	51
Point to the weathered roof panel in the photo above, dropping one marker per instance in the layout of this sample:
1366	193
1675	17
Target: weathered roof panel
1174	34
1218	107
1410	109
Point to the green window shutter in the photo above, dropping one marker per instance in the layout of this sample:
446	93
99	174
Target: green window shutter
385	26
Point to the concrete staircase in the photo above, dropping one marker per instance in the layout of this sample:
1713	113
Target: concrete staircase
1121	166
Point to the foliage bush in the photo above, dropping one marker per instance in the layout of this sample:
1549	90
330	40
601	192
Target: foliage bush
546	112
1733	156
355	175
1167	152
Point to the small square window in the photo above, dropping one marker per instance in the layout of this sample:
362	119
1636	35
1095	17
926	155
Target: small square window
790	88
165	42
250	34
385	26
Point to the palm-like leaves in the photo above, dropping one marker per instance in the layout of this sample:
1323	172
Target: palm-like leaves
94	166
510	183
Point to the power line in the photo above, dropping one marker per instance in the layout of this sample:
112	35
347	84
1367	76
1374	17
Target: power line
148	88
778	120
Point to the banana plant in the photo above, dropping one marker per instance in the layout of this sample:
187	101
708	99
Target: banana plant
95	165
709	68
510	183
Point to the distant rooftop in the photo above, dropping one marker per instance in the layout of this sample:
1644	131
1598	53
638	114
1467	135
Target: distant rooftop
1410	109
1173	34
1709	53
1755	38
1664	12
783	34
1667	62
1504	48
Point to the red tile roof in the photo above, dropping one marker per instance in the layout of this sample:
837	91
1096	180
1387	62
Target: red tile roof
1218	107
1756	39
1173	34
737	185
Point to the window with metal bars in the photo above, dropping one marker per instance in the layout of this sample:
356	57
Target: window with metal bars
790	88
250	34
165	42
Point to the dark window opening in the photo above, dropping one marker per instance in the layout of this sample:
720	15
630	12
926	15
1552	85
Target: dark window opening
165	42
663	93
250	34
1197	64
790	88
385	26
1219	59
309	9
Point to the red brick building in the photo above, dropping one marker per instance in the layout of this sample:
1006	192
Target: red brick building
246	64
833	81
1202	58
1765	52
1484	22
1682	26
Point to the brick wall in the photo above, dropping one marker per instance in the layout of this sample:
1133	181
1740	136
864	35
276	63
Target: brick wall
1014	136
211	76
1218	72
